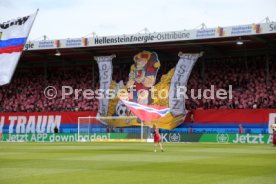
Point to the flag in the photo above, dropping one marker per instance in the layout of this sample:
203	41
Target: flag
13	36
147	113
105	76
179	80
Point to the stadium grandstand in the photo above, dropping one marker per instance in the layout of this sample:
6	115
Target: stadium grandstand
247	62
249	67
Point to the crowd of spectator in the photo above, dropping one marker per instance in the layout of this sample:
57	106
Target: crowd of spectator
253	82
26	92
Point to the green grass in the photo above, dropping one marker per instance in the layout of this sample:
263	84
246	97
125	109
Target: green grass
131	163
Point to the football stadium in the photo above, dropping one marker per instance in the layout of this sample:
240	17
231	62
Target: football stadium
186	106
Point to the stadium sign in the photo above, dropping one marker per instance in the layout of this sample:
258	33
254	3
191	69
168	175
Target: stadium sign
183	35
219	138
175	137
43	122
171	137
45	44
272	27
66	137
31	124
237	138
165	137
206	33
223	138
258	138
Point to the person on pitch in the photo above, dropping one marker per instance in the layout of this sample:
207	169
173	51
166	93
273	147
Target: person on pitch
273	127
156	137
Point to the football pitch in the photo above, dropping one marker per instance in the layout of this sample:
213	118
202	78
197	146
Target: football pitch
130	163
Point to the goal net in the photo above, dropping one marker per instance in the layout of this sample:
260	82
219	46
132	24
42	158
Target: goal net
106	129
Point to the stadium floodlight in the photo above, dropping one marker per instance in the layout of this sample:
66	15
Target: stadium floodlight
266	20
239	41
145	31
57	53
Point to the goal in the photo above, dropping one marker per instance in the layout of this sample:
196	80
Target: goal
112	128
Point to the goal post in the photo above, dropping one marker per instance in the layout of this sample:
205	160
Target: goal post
94	128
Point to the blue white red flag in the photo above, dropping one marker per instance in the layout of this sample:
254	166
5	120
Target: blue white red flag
13	36
147	112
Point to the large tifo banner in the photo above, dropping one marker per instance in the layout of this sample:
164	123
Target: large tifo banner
13	36
143	94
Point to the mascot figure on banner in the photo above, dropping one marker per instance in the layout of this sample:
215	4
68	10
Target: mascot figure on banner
142	77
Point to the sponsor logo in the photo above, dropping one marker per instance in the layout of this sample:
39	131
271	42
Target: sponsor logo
222	138
74	43
170	137
257	28
85	41
175	137
220	31
206	33
57	43
46	44
238	30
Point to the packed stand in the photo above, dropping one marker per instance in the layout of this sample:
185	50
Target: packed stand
253	83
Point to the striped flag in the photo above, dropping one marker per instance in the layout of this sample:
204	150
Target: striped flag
13	36
147	113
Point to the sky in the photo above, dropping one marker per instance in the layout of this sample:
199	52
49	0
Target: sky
59	19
